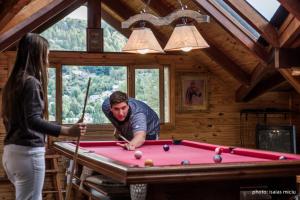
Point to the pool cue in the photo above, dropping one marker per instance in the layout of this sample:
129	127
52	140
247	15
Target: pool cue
69	189
123	138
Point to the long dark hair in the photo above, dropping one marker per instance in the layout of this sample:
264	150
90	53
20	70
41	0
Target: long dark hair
31	60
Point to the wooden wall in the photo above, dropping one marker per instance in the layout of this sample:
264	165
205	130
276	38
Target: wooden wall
220	124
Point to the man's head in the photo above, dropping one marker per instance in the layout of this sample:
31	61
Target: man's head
119	105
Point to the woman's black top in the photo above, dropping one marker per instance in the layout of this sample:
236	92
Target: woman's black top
27	126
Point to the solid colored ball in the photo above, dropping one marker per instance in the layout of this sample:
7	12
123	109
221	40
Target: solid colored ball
138	154
149	163
218	150
282	158
166	147
217	158
185	162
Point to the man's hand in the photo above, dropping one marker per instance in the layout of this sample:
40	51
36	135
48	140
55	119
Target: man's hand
127	146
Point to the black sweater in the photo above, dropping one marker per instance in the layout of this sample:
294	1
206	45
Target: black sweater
26	126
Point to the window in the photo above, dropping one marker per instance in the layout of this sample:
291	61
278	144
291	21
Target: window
52	93
236	17
69	34
265	8
147	87
105	80
113	40
150	85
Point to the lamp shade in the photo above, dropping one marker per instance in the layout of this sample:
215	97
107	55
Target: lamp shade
185	38
142	40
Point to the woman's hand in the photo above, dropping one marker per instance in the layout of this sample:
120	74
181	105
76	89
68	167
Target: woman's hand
75	130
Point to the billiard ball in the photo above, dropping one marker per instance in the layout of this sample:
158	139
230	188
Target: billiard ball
218	150
149	163
282	158
138	154
185	162
166	147
217	158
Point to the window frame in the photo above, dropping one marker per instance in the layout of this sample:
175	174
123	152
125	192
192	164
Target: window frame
130	88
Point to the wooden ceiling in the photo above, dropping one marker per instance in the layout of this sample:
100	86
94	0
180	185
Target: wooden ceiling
249	66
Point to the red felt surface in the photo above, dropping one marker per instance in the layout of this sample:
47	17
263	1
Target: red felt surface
196	153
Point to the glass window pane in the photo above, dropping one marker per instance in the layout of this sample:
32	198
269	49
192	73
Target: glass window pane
114	41
237	17
147	87
265	8
167	94
69	34
105	80
52	94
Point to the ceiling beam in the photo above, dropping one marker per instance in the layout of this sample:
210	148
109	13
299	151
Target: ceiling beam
44	14
290	33
293	6
293	80
259	73
25	13
259	23
230	66
9	9
287	57
235	31
266	85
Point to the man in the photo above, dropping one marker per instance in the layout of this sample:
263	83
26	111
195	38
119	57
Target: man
132	119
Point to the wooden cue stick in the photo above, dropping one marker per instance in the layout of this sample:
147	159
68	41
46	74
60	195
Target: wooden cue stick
123	138
69	189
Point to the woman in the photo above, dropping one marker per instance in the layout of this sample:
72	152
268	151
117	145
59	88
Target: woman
24	107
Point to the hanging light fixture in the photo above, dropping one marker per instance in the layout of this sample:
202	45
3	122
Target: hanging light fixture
185	36
142	40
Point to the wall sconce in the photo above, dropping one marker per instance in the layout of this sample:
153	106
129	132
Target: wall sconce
185	36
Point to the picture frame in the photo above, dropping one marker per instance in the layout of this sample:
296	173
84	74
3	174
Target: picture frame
193	95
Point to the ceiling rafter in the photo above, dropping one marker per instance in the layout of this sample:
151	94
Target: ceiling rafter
25	13
252	17
293	6
44	14
230	66
289	32
213	52
259	73
9	9
125	12
232	28
294	81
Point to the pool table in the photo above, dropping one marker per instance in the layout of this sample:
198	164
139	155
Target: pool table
247	171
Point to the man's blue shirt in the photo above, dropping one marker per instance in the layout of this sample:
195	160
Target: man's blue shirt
141	118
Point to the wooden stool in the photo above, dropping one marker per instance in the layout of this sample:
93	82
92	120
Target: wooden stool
53	171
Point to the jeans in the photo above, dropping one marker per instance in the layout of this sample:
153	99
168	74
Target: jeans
25	168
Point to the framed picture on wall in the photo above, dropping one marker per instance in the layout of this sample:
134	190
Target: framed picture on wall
193	92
